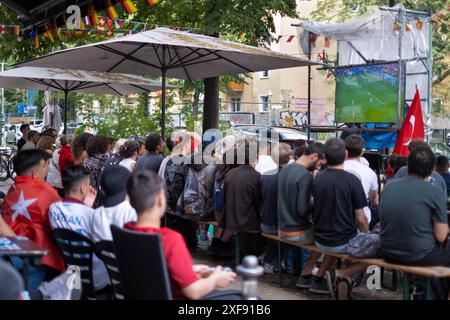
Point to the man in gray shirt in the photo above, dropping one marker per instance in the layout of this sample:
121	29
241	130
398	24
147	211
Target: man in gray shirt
414	222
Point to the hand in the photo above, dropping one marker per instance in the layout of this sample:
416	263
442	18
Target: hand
200	268
90	197
223	278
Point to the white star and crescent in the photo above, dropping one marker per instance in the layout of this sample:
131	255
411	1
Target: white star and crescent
20	208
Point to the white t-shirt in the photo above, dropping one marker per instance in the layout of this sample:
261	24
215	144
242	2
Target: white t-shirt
105	217
54	173
266	165
367	177
128	163
79	217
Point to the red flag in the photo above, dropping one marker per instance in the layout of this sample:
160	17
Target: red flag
25	210
412	128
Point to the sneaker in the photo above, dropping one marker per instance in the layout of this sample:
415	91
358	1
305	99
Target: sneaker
319	285
344	288
304	282
63	287
331	278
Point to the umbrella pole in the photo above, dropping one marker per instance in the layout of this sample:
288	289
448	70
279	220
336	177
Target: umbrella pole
163	105
65	111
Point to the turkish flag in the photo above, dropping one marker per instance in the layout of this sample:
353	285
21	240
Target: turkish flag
25	210
412	128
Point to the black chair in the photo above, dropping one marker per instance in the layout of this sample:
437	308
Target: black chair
142	265
105	251
77	250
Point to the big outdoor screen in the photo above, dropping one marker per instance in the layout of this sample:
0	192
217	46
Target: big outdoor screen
367	93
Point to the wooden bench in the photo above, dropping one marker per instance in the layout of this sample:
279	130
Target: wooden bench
426	273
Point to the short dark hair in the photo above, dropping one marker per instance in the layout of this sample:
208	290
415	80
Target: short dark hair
442	163
23	126
299	151
170	144
143	187
79	143
26	159
72	176
97	145
400	161
416	143
355	145
421	161
335	151
299	143
313	148
128	149
152	142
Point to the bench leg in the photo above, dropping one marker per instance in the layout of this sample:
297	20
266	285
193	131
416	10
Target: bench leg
393	286
280	271
405	286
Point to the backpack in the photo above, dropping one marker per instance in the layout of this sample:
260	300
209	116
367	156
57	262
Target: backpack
191	193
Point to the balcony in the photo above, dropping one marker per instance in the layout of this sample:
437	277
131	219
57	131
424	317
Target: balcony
234	86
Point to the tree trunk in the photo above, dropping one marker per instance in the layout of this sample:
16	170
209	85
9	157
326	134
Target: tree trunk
211	104
195	104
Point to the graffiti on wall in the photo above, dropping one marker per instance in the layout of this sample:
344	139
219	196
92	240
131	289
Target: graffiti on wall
293	118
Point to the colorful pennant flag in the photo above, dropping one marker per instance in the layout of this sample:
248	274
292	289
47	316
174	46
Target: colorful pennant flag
408	26
48	34
36	40
290	38
112	13
87	20
419	24
118	24
327	42
102	22
241	36
397	26
16	31
109	24
93	14
110	33
3	29
313	39
129	6
56	31
152	2
434	20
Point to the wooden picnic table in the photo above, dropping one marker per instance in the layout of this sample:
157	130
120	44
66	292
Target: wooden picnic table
23	248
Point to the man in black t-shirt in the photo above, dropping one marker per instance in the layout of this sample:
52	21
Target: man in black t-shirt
339	202
24	128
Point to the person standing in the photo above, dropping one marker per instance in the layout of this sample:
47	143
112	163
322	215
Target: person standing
24	128
153	158
129	152
442	169
32	140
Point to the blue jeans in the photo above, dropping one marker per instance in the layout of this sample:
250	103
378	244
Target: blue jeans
36	274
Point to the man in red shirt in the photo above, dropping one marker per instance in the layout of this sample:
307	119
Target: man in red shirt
25	210
147	196
65	153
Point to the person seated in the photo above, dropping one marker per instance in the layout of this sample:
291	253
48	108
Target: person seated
442	169
11	283
146	191
434	179
268	207
75	213
368	178
25	210
339	201
116	208
414	221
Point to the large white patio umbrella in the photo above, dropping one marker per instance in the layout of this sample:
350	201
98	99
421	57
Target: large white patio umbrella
64	80
169	53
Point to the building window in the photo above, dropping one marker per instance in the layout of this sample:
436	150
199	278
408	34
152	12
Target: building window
235	104
264	74
264	103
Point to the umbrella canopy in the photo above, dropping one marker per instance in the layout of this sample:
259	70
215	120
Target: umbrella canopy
52	79
169	53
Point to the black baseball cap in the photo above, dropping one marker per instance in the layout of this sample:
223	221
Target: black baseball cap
114	185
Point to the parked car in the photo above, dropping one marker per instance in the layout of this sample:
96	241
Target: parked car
36	125
287	135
